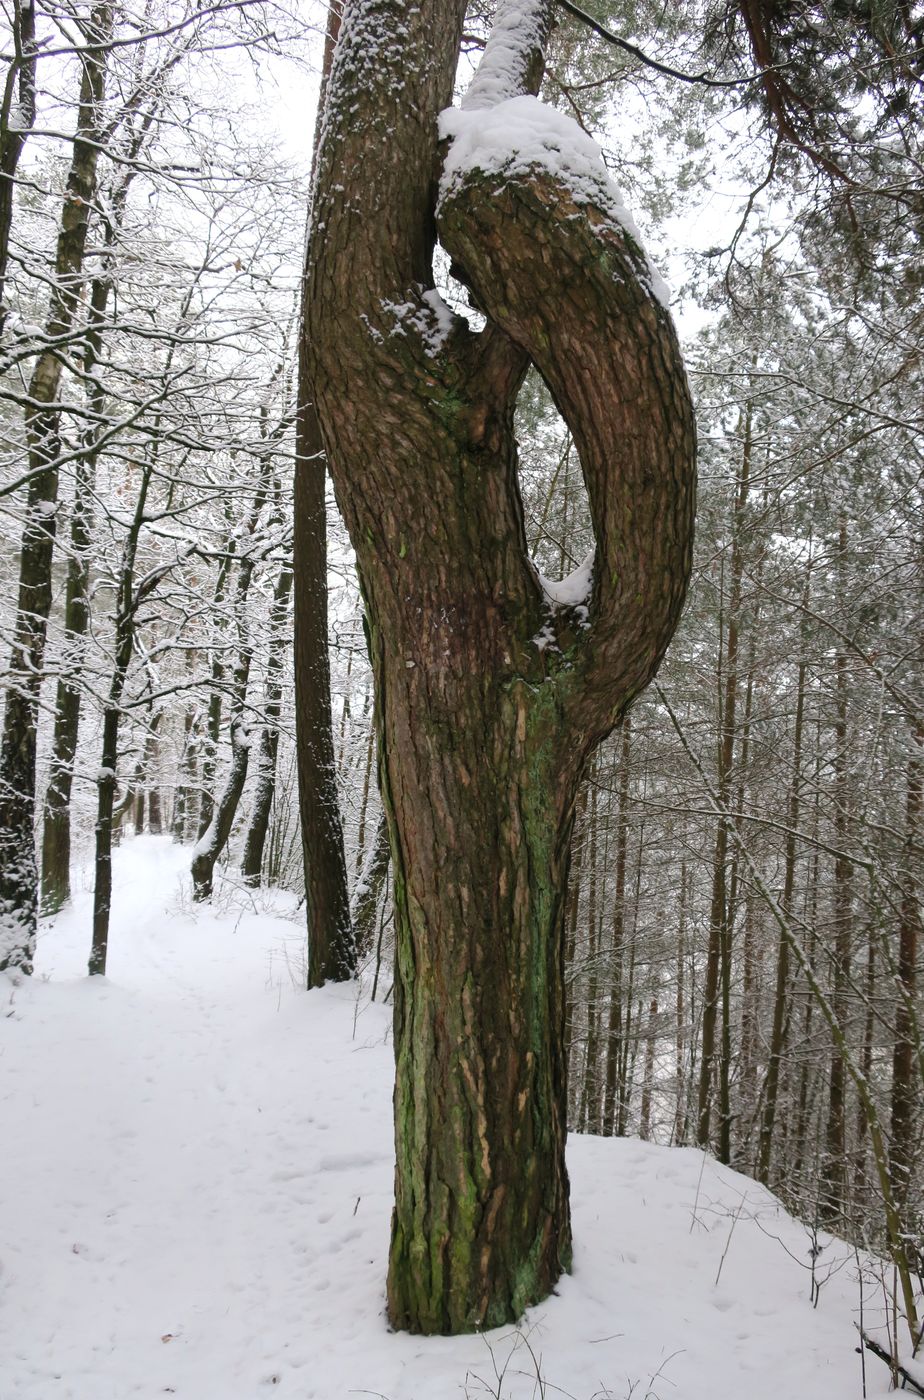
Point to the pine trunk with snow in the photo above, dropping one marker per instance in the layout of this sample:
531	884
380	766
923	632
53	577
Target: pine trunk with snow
492	688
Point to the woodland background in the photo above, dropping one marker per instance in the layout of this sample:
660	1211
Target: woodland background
766	792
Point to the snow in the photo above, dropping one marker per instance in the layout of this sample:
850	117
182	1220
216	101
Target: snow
519	135
197	1180
519	27
575	589
429	318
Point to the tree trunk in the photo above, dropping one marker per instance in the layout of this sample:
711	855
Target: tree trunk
614	1037
781	997
905	1090
369	888
20	78
181	823
587	1112
714	1064
18	873
215	837
128	598
56	815
490	694
252	861
833	1183
212	734
331	946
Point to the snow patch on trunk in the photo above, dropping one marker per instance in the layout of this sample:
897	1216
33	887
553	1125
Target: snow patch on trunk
519	135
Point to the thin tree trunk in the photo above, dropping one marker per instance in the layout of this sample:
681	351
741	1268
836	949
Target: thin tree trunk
128	599
572	918
678	1132
906	1092
212	735
644	1129
714	1065
586	1113
781	995
368	892
252	862
19	894
364	799
182	802
213	841
17	117
614	1027
833	1183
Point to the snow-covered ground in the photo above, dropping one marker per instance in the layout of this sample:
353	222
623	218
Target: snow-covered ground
196	1175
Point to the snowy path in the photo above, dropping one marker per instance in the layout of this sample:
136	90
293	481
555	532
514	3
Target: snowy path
196	1176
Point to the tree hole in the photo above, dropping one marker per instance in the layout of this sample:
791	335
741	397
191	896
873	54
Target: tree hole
559	529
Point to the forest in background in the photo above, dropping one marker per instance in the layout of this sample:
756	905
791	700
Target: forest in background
743	924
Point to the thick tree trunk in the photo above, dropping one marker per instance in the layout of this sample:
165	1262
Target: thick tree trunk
18	873
491	694
56	814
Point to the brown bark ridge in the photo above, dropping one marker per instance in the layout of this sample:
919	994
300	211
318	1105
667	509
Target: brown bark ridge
489	697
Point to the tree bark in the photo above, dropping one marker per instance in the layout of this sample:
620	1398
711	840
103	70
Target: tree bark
215	837
252	860
714	1064
18	873
17	117
833	1176
331	946
904	1142
781	997
369	888
484	733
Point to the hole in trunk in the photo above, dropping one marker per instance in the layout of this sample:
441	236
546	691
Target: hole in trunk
559	530
454	294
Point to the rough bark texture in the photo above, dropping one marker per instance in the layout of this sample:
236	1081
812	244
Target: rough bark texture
483	731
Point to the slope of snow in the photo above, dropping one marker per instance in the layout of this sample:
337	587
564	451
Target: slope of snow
196	1176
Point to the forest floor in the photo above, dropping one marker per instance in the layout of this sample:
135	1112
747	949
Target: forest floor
196	1178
